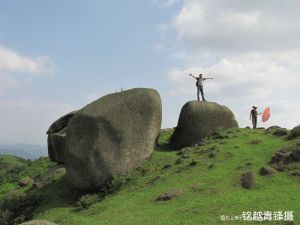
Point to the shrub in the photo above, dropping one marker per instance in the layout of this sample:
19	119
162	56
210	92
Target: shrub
86	201
18	207
295	132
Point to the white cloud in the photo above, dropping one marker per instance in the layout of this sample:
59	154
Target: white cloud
234	25
12	61
14	68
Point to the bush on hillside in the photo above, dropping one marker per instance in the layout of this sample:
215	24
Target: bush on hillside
295	132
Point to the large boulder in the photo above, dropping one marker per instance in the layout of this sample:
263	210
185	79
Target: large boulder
56	138
200	119
111	136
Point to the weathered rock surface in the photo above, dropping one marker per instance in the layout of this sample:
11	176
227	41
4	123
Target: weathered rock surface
198	120
111	136
56	138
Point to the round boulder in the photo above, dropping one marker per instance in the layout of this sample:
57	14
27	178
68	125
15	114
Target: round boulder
111	136
198	120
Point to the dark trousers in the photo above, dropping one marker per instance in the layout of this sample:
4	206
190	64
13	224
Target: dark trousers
200	90
254	122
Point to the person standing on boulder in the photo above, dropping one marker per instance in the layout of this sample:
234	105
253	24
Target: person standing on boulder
199	85
253	116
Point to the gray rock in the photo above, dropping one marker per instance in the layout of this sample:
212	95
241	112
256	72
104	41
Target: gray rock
248	180
295	154
111	136
56	138
198	120
266	170
168	195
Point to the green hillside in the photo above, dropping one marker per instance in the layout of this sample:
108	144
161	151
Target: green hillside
204	181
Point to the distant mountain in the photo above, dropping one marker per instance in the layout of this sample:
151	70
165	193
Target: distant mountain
26	151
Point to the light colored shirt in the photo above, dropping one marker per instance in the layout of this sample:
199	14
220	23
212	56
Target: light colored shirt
200	82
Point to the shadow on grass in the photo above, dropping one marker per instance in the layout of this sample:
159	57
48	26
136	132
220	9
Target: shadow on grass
58	193
164	148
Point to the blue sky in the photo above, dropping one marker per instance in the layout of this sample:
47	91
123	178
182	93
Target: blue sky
57	56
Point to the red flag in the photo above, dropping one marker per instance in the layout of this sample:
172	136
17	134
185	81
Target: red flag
266	114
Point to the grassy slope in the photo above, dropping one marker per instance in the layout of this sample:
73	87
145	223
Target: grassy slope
207	193
13	169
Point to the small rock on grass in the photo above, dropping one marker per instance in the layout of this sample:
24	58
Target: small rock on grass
168	195
296	154
26	181
248	180
266	170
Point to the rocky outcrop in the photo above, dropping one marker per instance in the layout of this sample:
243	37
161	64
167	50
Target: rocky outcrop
198	120
111	136
56	138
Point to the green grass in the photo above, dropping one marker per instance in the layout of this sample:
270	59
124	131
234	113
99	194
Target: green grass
207	193
13	169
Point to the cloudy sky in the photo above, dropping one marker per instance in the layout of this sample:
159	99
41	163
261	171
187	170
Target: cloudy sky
57	56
